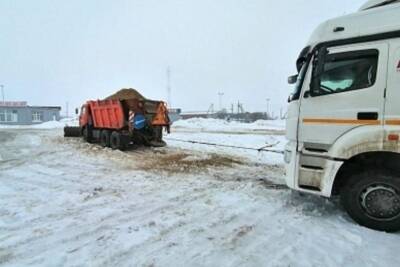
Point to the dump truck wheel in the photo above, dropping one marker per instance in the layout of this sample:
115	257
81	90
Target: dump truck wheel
158	133
105	138
372	199
87	134
117	141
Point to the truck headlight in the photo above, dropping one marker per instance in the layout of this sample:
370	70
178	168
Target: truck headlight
287	156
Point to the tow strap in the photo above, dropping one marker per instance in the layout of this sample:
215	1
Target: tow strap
262	149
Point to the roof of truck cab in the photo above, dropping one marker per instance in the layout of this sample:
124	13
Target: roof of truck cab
362	23
375	3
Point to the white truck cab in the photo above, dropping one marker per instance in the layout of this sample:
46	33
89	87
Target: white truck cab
343	124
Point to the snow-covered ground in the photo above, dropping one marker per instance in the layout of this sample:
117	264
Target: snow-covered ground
46	125
216	125
68	203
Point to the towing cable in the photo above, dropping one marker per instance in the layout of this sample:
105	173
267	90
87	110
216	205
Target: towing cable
262	149
267	184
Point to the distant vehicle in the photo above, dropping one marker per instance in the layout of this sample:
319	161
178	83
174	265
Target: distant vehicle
116	122
343	124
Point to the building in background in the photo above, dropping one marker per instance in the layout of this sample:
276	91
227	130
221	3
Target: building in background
174	114
19	113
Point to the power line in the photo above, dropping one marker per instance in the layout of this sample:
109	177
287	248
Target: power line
262	149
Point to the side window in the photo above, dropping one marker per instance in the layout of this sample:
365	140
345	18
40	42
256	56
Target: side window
343	72
8	116
37	116
2	116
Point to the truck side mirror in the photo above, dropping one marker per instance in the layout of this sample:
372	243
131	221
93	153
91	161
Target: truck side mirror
293	79
76	111
318	69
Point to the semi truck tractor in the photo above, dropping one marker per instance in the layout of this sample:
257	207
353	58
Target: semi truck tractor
123	118
343	123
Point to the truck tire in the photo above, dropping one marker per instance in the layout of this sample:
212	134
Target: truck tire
372	199
105	138
117	141
87	134
158	134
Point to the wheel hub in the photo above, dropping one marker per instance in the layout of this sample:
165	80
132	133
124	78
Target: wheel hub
381	201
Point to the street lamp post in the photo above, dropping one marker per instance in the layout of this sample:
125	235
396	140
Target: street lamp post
268	107
220	94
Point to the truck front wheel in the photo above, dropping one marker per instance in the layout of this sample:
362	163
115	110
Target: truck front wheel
372	199
117	141
87	134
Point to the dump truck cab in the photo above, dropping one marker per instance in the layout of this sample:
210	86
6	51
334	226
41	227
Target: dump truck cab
83	115
343	123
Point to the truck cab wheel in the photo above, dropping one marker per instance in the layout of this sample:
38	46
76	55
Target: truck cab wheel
105	138
117	141
372	199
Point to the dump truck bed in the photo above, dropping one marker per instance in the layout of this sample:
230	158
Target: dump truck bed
107	114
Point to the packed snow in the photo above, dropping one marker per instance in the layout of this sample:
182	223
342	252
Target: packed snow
229	126
45	125
68	203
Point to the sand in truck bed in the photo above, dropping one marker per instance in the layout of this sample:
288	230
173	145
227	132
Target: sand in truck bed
126	94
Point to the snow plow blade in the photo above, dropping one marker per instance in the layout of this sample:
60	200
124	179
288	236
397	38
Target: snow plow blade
70	131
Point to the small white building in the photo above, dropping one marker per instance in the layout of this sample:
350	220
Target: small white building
19	113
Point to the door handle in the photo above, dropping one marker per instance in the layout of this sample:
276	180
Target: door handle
367	115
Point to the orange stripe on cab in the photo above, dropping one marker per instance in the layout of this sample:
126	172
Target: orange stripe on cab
392	122
341	121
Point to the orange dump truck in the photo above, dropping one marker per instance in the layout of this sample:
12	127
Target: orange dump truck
121	119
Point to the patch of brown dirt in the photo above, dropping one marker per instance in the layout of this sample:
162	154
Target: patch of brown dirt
185	162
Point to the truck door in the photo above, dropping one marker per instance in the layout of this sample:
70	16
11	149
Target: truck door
392	107
348	93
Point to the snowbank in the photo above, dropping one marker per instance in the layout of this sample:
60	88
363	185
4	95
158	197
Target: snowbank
45	125
223	125
49	125
70	121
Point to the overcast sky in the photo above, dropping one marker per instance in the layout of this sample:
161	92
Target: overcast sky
58	51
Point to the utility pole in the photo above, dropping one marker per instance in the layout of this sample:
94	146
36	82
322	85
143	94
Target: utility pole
2	92
268	108
220	94
169	86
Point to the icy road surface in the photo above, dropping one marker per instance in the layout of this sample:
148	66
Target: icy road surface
68	203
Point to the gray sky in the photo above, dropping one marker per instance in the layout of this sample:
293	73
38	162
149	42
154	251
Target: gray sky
58	51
